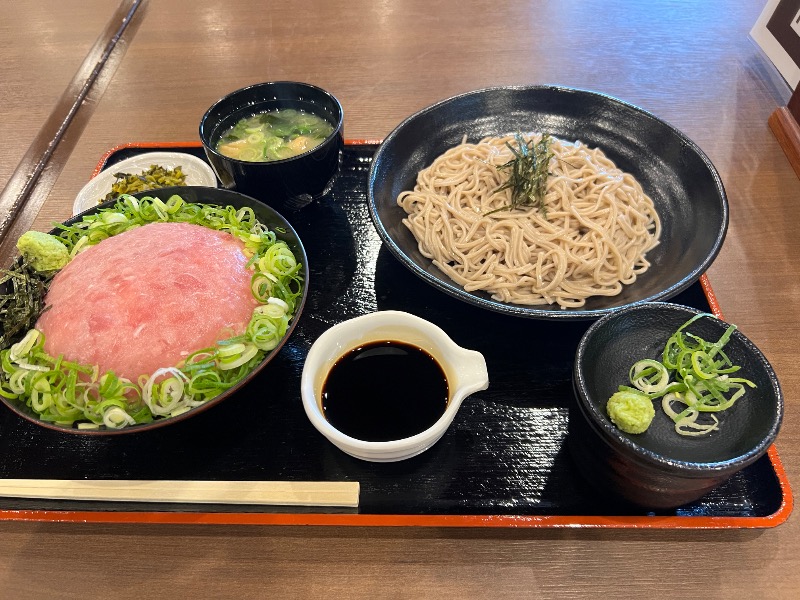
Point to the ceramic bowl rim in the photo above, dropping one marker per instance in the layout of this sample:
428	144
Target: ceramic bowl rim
199	170
452	288
621	443
318	355
206	139
247	380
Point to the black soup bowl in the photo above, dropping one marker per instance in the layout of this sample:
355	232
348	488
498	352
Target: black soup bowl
660	468
290	183
200	195
684	185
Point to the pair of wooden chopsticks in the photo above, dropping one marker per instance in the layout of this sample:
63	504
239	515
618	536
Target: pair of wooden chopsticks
289	493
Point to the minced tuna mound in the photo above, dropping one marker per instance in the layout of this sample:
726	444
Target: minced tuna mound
146	298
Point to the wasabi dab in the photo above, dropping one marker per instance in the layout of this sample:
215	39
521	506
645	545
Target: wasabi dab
42	251
631	411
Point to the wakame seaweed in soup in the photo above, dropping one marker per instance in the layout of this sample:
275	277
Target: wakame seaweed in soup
274	135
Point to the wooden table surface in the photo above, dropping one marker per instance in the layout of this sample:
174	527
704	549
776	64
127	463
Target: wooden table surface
690	63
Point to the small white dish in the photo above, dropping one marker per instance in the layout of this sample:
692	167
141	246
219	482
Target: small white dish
197	171
464	369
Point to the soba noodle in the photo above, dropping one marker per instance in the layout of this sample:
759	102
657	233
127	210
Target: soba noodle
590	240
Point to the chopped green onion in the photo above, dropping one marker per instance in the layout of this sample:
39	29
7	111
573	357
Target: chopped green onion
702	382
66	393
649	376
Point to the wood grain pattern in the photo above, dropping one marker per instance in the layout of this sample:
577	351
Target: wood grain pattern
690	63
285	493
27	188
787	131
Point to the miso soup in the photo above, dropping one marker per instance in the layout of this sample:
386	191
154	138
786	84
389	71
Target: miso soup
274	135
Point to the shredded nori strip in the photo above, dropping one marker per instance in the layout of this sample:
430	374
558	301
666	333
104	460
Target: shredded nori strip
22	292
529	170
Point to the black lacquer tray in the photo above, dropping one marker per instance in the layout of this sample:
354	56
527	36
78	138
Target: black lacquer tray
504	462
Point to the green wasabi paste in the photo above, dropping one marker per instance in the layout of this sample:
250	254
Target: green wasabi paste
631	411
42	251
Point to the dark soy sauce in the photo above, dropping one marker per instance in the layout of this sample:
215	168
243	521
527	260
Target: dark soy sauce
384	391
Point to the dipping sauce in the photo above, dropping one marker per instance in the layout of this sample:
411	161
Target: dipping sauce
384	391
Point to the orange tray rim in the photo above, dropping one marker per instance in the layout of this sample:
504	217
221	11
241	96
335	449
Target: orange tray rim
434	521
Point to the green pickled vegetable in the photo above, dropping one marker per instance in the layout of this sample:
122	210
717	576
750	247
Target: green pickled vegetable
150	179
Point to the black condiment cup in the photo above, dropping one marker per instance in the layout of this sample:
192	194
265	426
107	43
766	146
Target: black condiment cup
660	468
287	184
